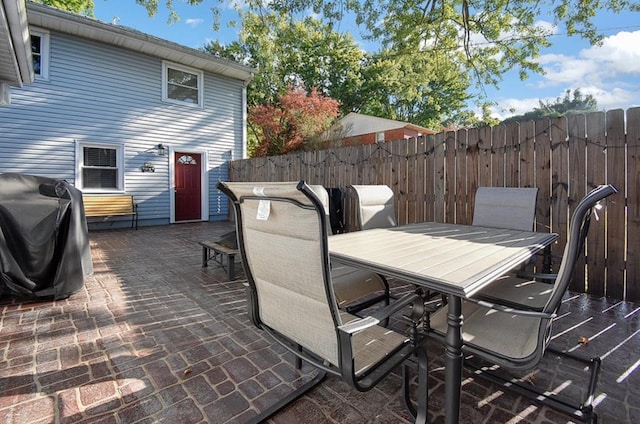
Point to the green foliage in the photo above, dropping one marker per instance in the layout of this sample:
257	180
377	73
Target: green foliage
296	119
468	119
562	106
434	52
84	7
288	52
419	89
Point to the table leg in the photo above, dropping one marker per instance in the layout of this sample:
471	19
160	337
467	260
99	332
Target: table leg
453	360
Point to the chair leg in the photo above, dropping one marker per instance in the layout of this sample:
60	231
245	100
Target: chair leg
271	410
586	407
298	360
419	413
583	411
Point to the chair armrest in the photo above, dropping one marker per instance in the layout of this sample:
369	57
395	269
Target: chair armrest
396	306
512	310
358	325
380	314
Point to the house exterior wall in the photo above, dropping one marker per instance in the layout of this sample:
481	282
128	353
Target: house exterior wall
400	134
103	94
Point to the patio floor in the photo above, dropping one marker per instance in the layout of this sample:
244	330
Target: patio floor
153	337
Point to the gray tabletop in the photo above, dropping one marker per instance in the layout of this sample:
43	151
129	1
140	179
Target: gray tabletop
450	258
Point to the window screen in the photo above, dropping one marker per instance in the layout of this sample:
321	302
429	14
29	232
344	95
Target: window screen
100	168
36	53
182	86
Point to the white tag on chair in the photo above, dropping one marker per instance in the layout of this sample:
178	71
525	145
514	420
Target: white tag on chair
264	208
596	208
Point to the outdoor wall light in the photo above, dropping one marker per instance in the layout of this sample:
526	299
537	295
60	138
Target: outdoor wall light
161	149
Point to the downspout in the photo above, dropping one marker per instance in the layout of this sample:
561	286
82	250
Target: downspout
244	116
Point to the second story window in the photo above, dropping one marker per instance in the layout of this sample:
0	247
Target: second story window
181	84
40	53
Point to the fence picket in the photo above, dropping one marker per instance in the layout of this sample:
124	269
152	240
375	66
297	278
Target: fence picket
633	202
450	177
616	207
596	166
577	185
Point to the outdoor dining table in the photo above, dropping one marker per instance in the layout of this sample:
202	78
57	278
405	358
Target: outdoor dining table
456	260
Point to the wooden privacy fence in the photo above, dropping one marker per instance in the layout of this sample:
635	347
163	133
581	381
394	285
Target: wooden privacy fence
435	177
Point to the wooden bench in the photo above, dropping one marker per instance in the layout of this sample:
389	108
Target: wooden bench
222	255
108	205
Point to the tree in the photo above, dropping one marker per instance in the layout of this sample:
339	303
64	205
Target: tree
84	7
468	119
293	122
562	106
420	90
487	37
288	52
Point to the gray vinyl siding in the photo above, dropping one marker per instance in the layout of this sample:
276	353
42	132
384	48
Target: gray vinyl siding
102	94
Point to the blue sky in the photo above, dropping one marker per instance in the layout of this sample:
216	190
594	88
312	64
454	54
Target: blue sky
610	72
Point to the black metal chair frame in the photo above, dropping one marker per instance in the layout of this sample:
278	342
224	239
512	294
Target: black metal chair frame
345	370
583	409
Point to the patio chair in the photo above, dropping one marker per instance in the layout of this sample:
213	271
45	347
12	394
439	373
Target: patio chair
374	206
355	289
505	207
282	236
374	209
509	322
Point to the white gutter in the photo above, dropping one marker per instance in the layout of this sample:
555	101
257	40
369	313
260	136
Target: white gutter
16	13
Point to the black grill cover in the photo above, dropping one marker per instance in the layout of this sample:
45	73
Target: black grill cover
44	243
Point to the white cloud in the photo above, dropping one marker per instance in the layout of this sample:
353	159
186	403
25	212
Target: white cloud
613	98
617	57
620	53
513	106
549	27
608	71
194	22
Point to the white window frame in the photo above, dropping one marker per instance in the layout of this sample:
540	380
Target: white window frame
119	148
44	52
200	75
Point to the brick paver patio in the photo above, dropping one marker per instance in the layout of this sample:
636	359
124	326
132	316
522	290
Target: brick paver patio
155	338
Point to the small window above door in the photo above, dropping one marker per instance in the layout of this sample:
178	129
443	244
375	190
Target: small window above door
187	160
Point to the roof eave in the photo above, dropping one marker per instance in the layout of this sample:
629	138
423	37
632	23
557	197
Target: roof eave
19	43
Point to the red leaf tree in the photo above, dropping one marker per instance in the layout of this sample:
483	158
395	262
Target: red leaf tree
293	122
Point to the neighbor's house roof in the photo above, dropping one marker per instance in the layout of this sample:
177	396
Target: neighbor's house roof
128	38
356	124
16	66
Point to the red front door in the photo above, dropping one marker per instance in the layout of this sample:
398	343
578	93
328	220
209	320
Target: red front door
188	186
